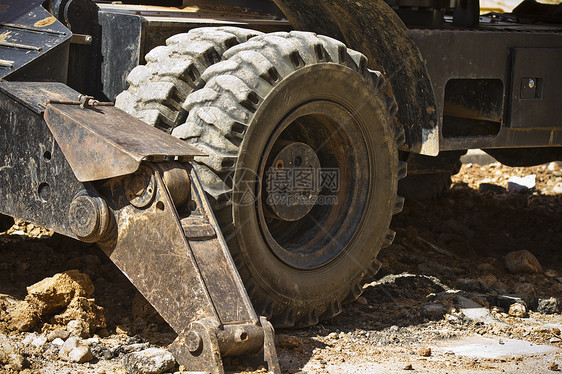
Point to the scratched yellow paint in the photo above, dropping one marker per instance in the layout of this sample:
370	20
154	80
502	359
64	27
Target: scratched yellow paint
4	35
45	22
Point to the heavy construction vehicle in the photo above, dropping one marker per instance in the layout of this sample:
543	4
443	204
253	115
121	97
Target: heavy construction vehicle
292	123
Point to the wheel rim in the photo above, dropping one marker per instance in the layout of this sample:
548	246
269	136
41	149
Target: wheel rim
309	235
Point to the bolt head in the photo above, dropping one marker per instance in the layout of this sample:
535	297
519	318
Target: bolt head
193	341
84	216
531	83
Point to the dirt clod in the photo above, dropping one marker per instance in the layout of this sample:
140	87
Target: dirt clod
288	341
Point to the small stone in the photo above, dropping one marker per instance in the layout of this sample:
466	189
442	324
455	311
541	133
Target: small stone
74	350
518	184
288	341
522	262
121	330
424	351
490	187
553	366
29	338
549	306
486	267
518	310
58	333
58	341
77	328
408	367
434	310
471	285
551	273
524	288
500	287
557	188
39	341
362	301
489	279
333	335
149	361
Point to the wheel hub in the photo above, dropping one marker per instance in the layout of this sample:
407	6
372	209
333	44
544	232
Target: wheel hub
293	181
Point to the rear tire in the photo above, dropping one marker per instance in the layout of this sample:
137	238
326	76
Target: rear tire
312	93
158	89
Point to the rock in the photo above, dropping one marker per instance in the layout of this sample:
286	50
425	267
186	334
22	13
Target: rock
490	187
473	311
362	301
288	341
149	361
74	350
408	367
553	366
500	287
58	333
557	188
486	267
505	301
522	262
518	184
82	317
9	355
51	295
518	310
549	306
23	317
424	351
57	341
489	280
39	341
434	310
551	273
471	285
524	288
29	338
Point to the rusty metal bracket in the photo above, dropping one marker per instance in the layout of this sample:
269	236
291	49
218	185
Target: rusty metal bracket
112	143
179	261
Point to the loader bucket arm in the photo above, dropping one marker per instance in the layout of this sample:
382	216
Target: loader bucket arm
81	168
374	29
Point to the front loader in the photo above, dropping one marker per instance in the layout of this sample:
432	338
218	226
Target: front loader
247	174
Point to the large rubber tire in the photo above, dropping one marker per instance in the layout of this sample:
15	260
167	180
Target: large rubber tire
430	177
301	87
158	89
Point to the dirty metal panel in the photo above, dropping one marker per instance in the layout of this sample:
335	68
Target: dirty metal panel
374	29
217	267
536	91
150	248
36	182
36	95
104	142
27	32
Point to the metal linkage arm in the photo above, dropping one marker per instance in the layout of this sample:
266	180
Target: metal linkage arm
178	259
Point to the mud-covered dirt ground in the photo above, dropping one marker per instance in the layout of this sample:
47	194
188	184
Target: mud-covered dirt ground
440	303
